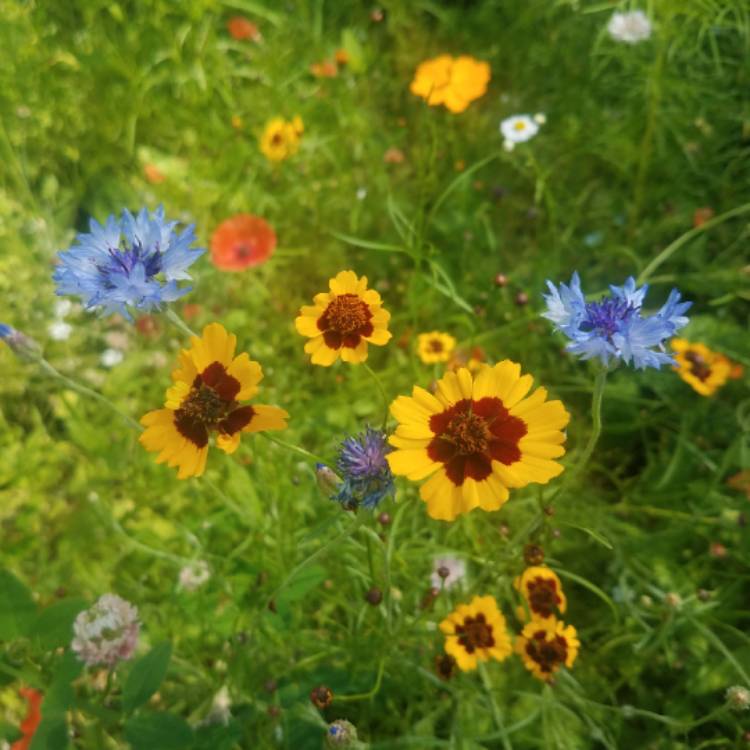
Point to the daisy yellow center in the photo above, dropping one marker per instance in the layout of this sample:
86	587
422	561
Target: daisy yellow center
347	313
475	633
520	126
468	432
547	654
543	598
698	366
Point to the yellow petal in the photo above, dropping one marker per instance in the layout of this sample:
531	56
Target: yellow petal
267	418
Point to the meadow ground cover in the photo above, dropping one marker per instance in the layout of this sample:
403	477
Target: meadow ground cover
374	376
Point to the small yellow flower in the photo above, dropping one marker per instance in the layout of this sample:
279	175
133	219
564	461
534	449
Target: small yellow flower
281	138
343	321
452	82
208	385
476	632
703	369
545	645
435	346
477	437
542	590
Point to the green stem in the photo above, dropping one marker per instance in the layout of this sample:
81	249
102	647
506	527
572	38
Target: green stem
295	449
348	531
496	716
371	693
673	247
86	391
596	430
386	402
178	322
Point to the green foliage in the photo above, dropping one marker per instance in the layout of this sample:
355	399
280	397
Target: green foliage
650	540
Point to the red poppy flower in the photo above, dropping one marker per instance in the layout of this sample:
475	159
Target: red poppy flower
241	242
33	717
240	28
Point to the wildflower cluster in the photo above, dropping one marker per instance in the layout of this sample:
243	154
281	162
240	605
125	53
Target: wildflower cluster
281	138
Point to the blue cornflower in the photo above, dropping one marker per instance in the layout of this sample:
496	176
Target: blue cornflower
367	477
133	262
24	346
614	328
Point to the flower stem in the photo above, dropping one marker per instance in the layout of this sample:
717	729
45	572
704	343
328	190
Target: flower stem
496	716
86	391
178	322
386	402
596	430
295	448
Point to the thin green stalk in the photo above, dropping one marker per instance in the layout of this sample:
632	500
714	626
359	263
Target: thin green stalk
673	247
295	448
371	693
596	430
178	322
347	532
86	391
496	715
386	402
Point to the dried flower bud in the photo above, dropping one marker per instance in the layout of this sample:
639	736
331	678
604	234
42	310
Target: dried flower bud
384	519
673	600
522	299
443	571
533	554
501	280
321	697
374	596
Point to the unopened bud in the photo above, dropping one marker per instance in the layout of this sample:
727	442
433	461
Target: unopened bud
341	733
533	554
24	348
321	697
374	596
327	479
738	698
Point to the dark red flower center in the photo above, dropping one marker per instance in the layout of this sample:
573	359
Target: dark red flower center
470	435
277	138
475	633
698	366
346	320
436	345
543	596
244	249
549	655
210	405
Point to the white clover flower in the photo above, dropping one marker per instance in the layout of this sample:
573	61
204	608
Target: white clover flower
631	27
59	330
111	357
447	572
107	632
361	193
194	576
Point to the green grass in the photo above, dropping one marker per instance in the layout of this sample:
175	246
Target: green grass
637	137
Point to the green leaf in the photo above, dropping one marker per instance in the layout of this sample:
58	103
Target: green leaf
218	736
54	624
17	608
146	676
161	730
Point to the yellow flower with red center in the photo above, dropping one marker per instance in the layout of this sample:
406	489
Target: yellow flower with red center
703	369
542	590
208	385
281	138
545	645
476	632
454	82
343	321
435	346
476	438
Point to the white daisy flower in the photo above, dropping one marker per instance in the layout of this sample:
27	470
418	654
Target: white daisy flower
631	27
519	128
